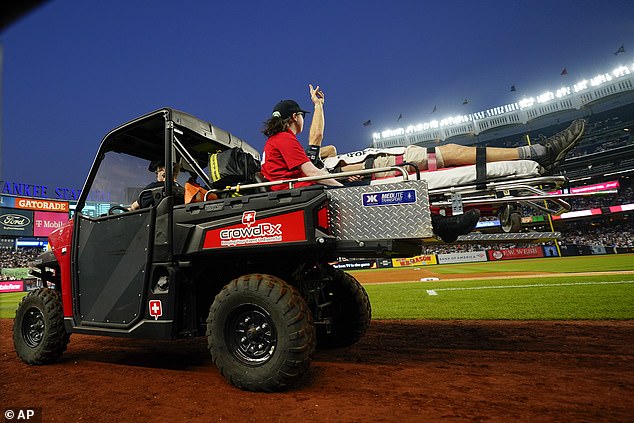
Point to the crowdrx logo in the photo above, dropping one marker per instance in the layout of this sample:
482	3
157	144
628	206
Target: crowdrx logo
252	233
285	227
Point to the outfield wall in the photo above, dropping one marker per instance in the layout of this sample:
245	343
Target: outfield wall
19	285
537	251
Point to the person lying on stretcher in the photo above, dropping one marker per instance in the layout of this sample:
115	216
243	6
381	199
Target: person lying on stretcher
549	154
284	158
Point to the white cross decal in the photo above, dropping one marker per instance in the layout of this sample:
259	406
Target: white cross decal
248	217
156	309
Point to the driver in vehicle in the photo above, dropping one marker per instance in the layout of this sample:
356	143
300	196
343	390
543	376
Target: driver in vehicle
146	199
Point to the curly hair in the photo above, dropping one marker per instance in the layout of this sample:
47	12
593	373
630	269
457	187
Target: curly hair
276	125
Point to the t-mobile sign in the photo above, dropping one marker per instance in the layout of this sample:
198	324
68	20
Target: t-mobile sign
46	222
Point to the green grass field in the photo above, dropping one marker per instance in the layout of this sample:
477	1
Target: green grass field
8	303
554	298
559	297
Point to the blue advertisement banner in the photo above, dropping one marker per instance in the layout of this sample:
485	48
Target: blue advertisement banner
389	198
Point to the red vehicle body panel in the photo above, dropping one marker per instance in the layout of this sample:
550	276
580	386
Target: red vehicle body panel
60	241
254	231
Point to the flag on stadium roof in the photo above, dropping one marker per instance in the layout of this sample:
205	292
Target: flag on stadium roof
367	122
620	50
564	72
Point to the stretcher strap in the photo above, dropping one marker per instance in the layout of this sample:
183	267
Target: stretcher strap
431	159
369	164
481	167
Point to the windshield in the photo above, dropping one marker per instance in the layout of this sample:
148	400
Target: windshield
119	181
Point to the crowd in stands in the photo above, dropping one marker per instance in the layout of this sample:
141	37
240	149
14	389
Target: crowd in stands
10	259
613	236
599	136
625	195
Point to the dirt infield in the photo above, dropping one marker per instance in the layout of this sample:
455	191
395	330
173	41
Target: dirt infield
415	274
401	371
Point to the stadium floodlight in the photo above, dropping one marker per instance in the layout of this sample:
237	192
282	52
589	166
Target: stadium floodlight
620	71
562	92
522	104
414	128
580	86
547	96
600	79
526	102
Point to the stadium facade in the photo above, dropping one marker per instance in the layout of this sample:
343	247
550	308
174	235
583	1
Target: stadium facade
587	98
603	158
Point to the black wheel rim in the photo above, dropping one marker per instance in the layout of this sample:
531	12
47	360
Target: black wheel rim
251	335
33	327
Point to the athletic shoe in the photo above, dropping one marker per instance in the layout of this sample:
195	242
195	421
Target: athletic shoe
448	228
560	144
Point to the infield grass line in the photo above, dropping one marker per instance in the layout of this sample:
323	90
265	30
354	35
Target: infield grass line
537	285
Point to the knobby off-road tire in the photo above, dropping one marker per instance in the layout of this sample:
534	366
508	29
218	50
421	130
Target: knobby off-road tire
260	333
38	329
351	312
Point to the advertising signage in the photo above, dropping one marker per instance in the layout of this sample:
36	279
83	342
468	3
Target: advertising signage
15	222
11	286
34	204
46	222
40	204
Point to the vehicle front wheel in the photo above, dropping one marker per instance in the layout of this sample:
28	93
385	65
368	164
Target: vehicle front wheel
260	333
38	329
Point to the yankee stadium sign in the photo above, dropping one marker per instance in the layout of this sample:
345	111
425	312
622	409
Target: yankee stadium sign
43	191
32	190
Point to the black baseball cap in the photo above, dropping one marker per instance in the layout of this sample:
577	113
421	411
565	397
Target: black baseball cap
286	108
155	164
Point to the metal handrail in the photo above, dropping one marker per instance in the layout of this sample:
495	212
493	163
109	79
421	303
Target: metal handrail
291	182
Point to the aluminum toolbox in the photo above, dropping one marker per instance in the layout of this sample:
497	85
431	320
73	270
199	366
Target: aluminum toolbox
379	212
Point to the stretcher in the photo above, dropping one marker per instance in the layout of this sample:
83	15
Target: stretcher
507	187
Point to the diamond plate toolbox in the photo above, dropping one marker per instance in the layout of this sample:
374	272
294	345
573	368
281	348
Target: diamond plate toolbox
387	211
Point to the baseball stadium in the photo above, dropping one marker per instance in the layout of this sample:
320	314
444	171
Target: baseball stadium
217	294
518	323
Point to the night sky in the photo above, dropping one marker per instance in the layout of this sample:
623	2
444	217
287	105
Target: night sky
73	70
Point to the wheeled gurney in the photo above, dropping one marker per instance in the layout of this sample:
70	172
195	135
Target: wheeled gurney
507	187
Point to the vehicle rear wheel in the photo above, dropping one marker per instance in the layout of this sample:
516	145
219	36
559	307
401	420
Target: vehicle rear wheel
350	313
38	329
260	333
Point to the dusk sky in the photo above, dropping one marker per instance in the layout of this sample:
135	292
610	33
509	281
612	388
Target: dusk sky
73	70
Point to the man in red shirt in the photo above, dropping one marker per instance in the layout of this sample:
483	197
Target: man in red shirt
284	157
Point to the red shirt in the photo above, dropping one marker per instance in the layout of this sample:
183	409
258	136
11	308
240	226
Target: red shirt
283	156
